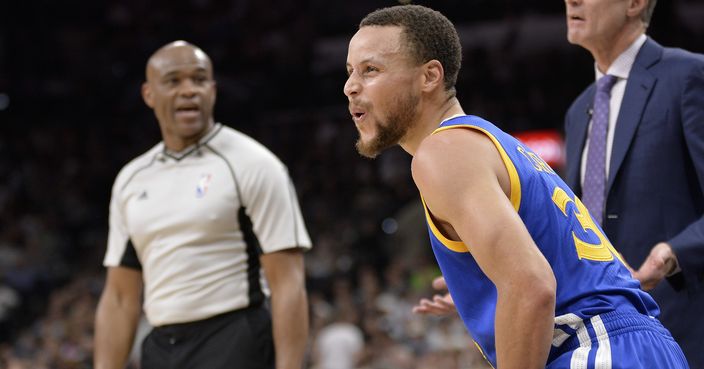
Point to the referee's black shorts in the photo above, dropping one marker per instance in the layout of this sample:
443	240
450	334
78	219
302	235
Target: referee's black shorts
239	339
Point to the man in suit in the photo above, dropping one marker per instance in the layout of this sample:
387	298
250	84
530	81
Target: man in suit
635	155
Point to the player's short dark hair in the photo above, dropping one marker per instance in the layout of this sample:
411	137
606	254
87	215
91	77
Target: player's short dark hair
648	12
428	35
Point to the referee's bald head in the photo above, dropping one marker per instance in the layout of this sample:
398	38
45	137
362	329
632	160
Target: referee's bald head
171	54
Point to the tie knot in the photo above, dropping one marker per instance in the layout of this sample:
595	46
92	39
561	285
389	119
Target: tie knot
605	83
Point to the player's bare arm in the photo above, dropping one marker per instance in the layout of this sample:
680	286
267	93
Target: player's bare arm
116	317
466	188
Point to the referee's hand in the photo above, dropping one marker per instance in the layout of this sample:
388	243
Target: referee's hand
440	305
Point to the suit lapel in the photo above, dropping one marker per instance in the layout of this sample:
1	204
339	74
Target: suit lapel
638	88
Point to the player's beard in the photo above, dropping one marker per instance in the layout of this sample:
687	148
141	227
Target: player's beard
390	132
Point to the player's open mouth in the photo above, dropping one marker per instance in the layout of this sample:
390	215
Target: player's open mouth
357	114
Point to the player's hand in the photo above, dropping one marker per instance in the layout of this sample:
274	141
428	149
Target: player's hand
440	305
660	263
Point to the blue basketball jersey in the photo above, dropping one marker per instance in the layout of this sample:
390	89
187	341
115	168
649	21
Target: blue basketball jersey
591	278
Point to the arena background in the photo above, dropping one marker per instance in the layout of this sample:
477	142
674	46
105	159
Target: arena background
71	115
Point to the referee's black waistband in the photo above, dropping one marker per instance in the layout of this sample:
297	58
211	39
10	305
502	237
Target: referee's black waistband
186	328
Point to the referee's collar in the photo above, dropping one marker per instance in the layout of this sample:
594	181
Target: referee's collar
195	147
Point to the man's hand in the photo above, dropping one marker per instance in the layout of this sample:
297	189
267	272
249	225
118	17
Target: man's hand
661	263
440	305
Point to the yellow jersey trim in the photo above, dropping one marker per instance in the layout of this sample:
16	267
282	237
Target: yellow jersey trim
515	182
482	352
456	246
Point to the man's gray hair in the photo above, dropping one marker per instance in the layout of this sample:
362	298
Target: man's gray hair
648	12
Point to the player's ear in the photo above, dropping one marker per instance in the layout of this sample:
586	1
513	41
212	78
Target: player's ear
147	95
433	75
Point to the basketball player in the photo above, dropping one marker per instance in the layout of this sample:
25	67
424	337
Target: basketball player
533	277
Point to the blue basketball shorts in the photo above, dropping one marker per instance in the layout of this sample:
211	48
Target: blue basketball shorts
615	340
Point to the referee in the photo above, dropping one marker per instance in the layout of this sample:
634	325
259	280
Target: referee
193	222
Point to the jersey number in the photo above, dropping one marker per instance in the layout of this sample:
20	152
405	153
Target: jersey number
602	251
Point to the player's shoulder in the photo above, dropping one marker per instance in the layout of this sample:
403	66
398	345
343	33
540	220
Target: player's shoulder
241	149
453	142
449	151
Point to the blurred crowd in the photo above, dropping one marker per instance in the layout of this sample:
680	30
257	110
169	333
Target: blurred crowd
72	115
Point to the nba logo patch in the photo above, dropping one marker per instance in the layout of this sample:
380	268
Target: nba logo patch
203	183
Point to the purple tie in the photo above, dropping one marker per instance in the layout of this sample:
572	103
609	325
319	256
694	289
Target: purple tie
594	188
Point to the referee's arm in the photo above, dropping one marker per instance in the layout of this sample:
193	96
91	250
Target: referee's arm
289	305
117	316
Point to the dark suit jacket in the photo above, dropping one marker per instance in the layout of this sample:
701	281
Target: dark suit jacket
655	189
